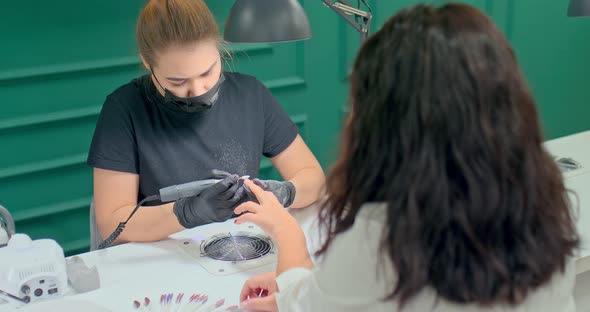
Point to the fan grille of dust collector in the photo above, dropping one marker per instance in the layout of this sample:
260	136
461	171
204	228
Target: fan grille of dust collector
235	247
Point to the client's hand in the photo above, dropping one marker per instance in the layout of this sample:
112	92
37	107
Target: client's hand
269	214
258	293
283	190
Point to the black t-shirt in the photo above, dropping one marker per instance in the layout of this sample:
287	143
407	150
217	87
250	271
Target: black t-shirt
137	133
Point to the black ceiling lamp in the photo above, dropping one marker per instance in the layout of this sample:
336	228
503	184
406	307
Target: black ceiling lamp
257	21
267	21
578	8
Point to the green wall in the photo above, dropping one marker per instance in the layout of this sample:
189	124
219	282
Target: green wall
58	61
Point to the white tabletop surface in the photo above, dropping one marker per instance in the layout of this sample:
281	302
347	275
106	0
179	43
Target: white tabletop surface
577	147
137	270
134	271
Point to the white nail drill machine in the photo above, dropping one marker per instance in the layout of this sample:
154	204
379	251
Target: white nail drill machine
30	270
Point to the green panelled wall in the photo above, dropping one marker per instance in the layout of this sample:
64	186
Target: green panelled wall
58	61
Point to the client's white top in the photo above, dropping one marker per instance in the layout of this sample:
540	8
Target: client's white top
351	278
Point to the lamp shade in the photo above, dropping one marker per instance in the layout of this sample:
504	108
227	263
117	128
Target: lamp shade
579	8
258	21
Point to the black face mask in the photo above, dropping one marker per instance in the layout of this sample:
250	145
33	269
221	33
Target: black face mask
193	104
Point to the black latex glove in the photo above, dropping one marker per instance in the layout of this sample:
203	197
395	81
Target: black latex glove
214	204
283	190
243	194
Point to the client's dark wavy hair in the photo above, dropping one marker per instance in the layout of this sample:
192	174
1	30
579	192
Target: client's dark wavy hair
444	130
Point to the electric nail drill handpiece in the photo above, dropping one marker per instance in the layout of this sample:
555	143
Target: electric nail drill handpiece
176	192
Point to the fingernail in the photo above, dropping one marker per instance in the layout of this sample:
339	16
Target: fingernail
236	221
